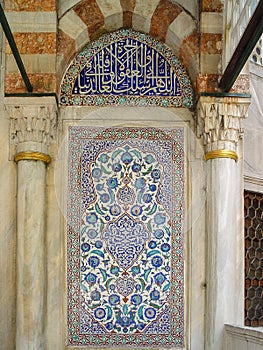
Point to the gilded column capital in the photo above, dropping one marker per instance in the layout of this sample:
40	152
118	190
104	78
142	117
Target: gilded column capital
33	122
220	124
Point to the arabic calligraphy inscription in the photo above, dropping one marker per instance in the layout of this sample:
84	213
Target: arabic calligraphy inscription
126	68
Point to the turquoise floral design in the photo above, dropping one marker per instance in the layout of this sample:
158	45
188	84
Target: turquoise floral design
127	184
124	238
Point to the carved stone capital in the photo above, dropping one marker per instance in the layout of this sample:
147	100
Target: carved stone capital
220	121
33	122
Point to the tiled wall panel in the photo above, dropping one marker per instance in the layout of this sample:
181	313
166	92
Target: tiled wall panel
125	256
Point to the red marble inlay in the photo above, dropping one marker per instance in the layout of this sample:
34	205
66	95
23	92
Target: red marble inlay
34	43
91	15
163	16
211	43
66	49
127	19
30	5
189	49
40	82
212	6
207	83
66	45
241	85
127	7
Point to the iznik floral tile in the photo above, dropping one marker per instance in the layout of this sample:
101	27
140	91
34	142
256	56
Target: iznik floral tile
125	237
126	68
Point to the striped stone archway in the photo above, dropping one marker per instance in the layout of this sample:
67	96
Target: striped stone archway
83	21
50	33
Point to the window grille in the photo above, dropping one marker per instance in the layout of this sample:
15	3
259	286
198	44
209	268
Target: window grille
257	55
253	259
237	16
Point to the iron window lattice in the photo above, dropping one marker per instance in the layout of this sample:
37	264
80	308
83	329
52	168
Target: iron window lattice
253	259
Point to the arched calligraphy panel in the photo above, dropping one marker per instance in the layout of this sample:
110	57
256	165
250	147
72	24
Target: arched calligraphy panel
126	68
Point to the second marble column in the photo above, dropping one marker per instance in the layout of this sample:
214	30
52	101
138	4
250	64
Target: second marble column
32	124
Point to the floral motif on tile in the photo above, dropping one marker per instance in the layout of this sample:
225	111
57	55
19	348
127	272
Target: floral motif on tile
126	68
125	237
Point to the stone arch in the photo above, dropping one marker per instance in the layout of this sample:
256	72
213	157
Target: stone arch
126	68
84	21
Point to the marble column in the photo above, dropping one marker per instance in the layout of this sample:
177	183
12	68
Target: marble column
32	125
220	125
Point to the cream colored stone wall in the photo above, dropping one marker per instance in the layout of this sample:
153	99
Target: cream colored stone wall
55	253
243	338
253	138
7	236
7	227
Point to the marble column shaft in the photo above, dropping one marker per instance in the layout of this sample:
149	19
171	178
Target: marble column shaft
220	125
31	269
224	250
32	125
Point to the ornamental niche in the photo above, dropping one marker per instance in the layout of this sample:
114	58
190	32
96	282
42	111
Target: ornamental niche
125	263
126	68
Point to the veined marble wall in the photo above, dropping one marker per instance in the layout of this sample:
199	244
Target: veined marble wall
253	144
7	237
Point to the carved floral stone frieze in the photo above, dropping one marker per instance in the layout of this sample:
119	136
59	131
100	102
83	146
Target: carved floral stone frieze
220	121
